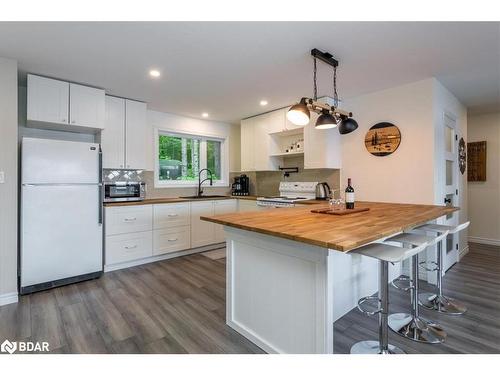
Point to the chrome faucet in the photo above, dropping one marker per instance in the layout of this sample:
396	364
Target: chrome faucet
200	191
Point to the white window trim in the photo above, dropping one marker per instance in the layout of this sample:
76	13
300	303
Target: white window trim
223	182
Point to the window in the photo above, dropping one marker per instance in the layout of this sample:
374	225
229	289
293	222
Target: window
180	157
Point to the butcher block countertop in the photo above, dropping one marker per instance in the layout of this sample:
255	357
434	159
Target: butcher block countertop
175	200
180	200
343	233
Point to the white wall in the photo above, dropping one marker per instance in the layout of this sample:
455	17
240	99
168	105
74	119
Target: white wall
407	175
8	190
484	197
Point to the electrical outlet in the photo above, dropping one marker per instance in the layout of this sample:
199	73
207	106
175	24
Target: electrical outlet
2	177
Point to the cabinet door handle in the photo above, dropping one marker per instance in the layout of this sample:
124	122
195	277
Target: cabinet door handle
130	247
130	219
64	120
172	215
172	239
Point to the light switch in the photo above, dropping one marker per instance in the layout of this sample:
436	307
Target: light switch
2	177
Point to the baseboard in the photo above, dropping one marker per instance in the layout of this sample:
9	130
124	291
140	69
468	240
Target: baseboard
138	262
8	298
485	241
463	252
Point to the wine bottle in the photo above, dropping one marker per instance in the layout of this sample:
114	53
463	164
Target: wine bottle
349	195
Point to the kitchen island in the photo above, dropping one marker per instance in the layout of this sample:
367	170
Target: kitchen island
289	274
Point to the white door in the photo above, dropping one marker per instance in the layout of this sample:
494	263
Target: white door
47	161
135	135
86	106
223	207
61	233
47	100
202	232
450	173
113	134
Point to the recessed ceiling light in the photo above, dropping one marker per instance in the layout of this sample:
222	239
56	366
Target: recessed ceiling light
204	114
154	73
263	102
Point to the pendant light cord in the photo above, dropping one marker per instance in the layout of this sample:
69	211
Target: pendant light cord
314	79
335	94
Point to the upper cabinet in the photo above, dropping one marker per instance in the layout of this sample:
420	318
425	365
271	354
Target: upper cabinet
136	134
86	106
61	105
265	139
125	136
48	100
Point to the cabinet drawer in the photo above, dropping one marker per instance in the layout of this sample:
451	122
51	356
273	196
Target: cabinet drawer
170	240
170	215
127	219
127	247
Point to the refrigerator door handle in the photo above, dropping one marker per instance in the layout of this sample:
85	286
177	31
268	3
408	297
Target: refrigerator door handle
101	195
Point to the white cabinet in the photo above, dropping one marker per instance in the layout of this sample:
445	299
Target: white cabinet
170	215
247	205
127	247
223	207
128	219
124	137
202	232
256	144
86	106
47	100
61	105
322	148
113	134
171	240
135	135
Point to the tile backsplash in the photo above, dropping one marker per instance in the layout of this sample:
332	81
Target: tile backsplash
261	183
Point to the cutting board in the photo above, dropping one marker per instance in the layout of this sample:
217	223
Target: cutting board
329	211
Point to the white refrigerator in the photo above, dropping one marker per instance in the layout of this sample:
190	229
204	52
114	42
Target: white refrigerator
61	213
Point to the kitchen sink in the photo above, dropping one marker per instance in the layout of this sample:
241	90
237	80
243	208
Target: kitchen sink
204	196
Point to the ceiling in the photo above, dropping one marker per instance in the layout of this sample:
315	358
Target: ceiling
226	68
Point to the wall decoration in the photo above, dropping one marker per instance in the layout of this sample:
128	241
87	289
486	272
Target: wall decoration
476	161
462	155
382	139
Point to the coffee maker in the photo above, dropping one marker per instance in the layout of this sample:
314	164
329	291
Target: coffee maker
241	185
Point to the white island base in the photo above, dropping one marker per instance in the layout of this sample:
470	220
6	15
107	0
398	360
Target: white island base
284	295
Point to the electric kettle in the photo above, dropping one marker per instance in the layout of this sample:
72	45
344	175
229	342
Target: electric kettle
322	190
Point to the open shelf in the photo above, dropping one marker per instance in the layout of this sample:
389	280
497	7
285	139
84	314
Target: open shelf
289	154
287	133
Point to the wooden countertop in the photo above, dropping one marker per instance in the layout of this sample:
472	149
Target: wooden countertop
343	233
175	200
178	200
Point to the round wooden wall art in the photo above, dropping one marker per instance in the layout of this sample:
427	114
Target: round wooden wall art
382	139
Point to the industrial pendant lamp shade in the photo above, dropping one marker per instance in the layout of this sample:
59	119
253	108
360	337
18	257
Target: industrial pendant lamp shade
298	114
326	121
347	125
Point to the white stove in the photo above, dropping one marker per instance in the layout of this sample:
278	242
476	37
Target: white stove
290	194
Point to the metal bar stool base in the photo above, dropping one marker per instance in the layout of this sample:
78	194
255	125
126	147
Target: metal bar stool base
373	347
416	328
442	304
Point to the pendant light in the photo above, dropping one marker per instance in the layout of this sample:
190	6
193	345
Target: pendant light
329	116
299	114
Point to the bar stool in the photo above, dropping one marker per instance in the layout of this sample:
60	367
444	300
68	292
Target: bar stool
384	254
438	301
413	326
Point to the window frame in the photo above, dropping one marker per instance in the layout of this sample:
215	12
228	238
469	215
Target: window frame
202	137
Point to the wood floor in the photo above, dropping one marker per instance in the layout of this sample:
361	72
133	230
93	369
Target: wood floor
475	280
178	306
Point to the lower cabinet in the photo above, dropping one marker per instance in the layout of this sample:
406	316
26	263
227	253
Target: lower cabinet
223	207
141	231
126	247
202	232
171	240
